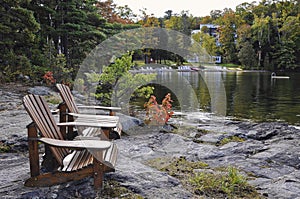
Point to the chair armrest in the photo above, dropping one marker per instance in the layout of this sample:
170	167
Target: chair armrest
77	144
95	117
101	108
80	137
96	124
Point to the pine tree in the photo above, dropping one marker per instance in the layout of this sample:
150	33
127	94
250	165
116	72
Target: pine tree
17	37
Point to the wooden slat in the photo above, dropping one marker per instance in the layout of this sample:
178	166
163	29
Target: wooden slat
75	161
88	124
101	107
110	156
86	132
41	115
91	132
67	96
96	117
79	161
49	179
94	120
48	130
77	144
85	160
70	160
46	123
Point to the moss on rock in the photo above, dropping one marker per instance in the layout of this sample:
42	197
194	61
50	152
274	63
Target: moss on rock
203	181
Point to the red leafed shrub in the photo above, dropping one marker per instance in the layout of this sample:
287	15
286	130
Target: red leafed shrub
49	79
157	114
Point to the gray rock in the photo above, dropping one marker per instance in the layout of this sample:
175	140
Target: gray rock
211	138
40	90
271	154
130	124
147	181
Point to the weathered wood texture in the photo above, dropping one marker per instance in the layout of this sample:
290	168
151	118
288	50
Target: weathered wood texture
110	123
73	164
68	98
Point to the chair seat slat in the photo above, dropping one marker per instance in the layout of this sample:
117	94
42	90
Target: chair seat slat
79	159
71	162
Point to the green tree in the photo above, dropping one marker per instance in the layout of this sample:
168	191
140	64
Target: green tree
73	26
229	23
285	56
244	10
261	34
168	14
272	20
290	43
215	14
17	37
183	22
207	42
125	13
247	56
116	77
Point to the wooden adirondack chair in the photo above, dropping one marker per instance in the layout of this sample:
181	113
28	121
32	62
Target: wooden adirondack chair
69	111
76	159
68	98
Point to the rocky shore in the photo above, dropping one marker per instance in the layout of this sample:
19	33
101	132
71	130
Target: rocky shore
268	152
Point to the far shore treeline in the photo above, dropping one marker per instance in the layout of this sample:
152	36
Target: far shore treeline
40	38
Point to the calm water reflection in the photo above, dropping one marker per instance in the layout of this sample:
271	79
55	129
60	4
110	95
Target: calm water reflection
256	96
250	95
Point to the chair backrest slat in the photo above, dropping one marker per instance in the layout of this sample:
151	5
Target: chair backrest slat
67	96
40	113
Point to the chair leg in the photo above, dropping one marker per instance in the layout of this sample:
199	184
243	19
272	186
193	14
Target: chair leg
63	118
98	174
33	150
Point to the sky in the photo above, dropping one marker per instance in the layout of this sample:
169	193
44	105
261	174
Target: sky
197	8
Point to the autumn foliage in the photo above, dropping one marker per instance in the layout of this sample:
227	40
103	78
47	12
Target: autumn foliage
157	114
108	9
48	78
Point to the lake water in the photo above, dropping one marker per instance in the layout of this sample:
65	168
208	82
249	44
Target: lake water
241	94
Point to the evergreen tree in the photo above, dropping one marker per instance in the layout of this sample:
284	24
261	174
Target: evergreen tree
74	27
17	37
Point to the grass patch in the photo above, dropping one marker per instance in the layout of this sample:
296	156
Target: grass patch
4	148
200	179
230	139
181	166
138	63
53	99
203	131
176	166
228	184
113	189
